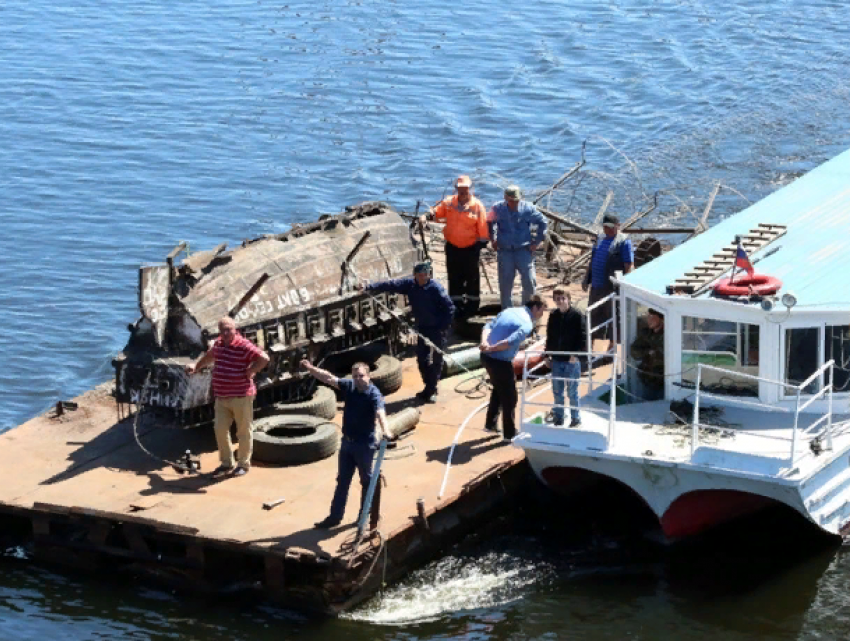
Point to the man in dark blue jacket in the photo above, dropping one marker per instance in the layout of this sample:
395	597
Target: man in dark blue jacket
433	311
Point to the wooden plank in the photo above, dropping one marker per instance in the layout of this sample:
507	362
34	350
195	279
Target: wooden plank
702	225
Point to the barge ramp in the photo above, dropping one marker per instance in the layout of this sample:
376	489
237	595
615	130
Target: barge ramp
77	486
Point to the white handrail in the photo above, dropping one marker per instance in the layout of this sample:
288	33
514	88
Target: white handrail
612	410
591	329
826	390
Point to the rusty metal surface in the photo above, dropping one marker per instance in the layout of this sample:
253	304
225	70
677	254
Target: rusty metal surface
291	294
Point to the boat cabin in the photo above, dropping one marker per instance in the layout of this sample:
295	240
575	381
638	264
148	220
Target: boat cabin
726	392
759	342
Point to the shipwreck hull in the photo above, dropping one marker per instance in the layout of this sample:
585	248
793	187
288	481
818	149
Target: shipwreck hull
291	294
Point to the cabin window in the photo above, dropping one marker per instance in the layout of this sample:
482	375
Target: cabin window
803	356
838	349
732	346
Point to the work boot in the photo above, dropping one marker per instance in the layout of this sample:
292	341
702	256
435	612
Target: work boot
575	423
327	523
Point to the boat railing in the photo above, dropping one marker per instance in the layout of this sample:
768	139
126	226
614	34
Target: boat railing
591	330
530	377
799	406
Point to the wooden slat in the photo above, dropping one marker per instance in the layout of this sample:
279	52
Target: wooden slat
709	269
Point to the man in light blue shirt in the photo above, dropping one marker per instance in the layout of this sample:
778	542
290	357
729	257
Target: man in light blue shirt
500	342
516	229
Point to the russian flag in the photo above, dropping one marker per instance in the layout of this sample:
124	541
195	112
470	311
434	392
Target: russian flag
743	261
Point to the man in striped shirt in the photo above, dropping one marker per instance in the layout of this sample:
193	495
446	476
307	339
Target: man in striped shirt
235	361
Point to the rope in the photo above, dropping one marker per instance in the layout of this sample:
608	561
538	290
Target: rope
349	546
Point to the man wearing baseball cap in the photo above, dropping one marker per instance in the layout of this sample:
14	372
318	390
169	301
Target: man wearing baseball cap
465	233
516	229
612	253
433	310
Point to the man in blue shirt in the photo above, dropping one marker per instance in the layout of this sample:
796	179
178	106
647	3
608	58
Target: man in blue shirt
433	311
364	423
517	229
500	342
612	253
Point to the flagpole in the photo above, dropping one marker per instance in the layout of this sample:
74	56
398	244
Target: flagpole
735	263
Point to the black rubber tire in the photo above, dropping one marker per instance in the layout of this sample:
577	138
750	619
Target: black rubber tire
294	439
385	374
322	404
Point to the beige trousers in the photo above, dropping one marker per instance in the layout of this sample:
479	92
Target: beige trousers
228	410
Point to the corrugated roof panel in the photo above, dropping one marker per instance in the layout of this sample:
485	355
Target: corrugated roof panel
814	256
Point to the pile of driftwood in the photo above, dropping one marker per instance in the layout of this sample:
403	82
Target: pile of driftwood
565	255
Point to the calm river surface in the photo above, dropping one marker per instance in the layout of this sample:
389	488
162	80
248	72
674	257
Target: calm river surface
126	127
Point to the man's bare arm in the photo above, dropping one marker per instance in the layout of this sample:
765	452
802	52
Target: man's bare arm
257	364
204	361
383	427
320	374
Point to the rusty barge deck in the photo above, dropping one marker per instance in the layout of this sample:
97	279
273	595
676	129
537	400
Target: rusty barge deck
79	487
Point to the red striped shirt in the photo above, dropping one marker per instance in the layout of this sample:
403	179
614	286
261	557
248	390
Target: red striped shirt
229	377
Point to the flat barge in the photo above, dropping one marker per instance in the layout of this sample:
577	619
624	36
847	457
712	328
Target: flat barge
81	490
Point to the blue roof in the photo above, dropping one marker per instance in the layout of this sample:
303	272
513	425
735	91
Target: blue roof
814	256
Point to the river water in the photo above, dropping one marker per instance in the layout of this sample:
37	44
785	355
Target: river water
128	127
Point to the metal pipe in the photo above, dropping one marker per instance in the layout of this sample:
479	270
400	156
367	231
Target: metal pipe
370	493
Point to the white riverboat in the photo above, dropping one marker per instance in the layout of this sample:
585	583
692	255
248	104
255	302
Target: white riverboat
768	376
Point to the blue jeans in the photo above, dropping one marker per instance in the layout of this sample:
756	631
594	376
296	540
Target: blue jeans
565	369
352	456
511	261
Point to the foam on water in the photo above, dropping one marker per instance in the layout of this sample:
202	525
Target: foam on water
455	584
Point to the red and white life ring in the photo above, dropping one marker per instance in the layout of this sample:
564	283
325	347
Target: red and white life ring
756	284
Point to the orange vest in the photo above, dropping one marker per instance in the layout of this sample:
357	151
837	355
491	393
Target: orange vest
464	225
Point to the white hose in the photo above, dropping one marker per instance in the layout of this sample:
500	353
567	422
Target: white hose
460	431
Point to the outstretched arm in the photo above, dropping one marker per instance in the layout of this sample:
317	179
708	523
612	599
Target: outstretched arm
395	286
320	374
204	361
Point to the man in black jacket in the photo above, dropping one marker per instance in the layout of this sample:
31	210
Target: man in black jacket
566	331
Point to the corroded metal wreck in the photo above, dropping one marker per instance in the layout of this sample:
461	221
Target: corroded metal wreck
289	293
